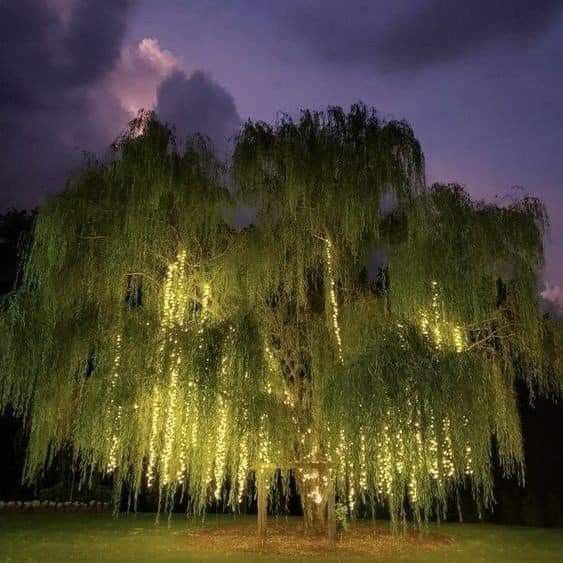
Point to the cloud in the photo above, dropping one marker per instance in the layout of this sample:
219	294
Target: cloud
444	30
70	83
148	76
554	295
54	56
197	104
139	71
411	36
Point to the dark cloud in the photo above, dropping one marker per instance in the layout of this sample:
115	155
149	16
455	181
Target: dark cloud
411	35
93	40
445	30
68	86
50	110
197	104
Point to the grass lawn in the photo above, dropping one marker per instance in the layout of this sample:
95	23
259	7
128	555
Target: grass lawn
56	537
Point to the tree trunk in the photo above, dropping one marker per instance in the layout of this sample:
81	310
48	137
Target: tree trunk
316	489
262	502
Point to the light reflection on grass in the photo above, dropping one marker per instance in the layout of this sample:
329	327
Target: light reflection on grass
52	537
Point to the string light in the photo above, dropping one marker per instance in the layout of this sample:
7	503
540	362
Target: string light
183	444
447	452
221	447
351	489
418	457
170	425
391	460
384	459
363	465
112	464
113	413
153	437
272	368
468	460
242	471
458	339
223	414
333	298
174	310
400	449
264	443
424	323
433	450
391	451
341	454
195	428
413	488
436	329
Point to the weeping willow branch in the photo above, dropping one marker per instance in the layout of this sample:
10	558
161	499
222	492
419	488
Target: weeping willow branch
184	353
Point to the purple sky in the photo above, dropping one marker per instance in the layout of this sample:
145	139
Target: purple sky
479	81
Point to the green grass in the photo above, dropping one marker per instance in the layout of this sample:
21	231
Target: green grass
53	537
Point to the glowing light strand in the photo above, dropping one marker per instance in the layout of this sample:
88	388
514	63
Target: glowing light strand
153	451
175	303
447	451
242	470
333	298
223	416
114	411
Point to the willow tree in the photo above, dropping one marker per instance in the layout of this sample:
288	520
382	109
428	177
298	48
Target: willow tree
160	342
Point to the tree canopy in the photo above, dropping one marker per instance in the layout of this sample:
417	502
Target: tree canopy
362	319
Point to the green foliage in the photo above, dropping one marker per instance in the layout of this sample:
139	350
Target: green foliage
163	344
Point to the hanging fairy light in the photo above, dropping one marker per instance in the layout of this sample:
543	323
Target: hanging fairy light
264	443
400	451
153	452
223	414
433	449
363	481
384	460
195	426
436	317
112	463
351	488
417	459
272	368
438	329
402	339
458	339
174	311
341	454
333	298
242	470
468	459
412	488
221	446
170	425
113	412
180	474
424	323
205	298
447	450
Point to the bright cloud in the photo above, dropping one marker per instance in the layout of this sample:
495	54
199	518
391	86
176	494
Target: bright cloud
139	71
553	294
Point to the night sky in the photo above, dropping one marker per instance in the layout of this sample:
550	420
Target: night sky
481	82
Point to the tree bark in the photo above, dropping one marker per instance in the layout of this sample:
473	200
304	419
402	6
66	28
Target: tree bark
316	489
262	502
